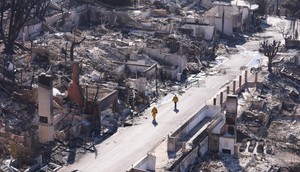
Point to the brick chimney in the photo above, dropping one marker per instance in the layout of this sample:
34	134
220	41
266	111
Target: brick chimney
74	91
75	77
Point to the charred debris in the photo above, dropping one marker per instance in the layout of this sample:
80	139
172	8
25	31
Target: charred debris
88	67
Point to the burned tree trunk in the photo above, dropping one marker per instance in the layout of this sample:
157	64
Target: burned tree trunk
270	50
14	14
270	60
74	43
9	47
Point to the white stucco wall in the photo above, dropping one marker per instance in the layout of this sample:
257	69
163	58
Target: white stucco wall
45	109
217	129
212	110
45	102
30	31
245	14
146	163
201	115
207	32
175	72
206	111
218	24
187	161
228	25
142	165
226	143
174	59
133	68
203	146
151	162
211	20
46	133
235	21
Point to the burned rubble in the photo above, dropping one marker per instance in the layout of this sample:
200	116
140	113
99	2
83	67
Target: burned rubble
106	70
90	67
267	126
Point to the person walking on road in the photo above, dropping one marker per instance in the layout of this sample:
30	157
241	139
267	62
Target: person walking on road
175	100
154	112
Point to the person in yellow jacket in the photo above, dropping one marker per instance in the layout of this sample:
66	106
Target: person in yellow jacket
154	112
175	100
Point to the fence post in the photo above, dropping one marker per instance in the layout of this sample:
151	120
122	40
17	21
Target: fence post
221	98
240	81
234	83
256	76
246	76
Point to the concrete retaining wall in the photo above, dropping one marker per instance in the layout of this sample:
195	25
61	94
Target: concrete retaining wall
206	111
186	161
147	163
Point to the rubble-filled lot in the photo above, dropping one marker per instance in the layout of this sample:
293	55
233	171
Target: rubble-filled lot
138	52
284	130
258	162
268	120
268	126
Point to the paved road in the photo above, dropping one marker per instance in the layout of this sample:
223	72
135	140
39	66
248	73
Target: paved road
128	145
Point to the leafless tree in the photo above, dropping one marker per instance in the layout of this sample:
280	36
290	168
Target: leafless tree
13	16
74	43
76	37
284	29
270	50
